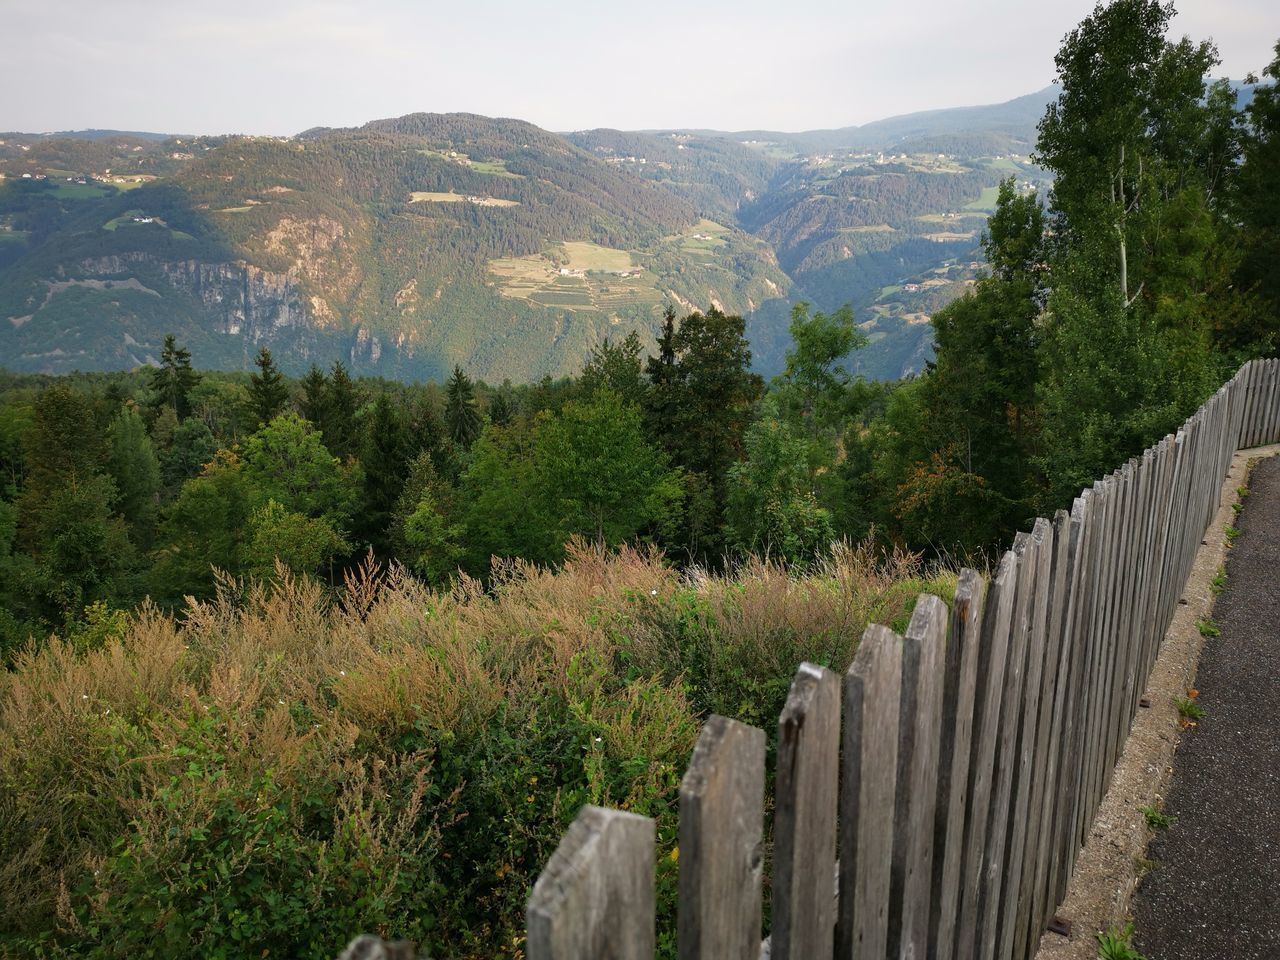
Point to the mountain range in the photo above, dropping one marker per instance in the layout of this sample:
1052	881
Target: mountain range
410	244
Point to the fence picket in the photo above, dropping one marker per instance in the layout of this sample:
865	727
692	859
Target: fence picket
872	689
1118	594
1271	424
1103	541
1025	752
920	715
1048	736
721	837
1247	401
959	702
595	898
805	817
1006	767
993	658
1075	638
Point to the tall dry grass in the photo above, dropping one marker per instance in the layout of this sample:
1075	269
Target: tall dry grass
386	758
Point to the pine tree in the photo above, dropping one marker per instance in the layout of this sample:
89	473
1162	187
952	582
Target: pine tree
135	468
427	435
343	400
173	381
384	457
660	400
501	409
66	520
314	402
700	398
461	415
268	392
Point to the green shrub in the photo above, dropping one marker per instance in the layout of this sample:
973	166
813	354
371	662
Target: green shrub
1219	581
1188	709
266	865
1116	944
1155	819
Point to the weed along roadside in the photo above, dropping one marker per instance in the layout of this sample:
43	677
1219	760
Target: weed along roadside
985	750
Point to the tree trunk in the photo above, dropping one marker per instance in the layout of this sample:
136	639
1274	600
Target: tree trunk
1124	256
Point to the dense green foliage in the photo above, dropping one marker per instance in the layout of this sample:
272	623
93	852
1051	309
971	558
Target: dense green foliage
278	770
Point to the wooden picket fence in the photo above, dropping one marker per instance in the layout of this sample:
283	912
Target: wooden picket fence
942	814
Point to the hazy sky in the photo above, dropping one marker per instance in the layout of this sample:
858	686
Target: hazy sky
280	66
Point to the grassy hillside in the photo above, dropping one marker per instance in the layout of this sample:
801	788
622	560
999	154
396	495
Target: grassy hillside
275	771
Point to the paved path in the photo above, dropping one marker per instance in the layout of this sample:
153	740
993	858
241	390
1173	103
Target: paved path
1215	893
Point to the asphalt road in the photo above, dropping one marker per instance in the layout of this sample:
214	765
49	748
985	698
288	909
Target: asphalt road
1214	893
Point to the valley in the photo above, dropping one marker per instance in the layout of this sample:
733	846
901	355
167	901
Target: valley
410	244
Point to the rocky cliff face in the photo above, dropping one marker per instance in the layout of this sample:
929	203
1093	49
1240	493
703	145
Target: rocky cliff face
239	298
112	311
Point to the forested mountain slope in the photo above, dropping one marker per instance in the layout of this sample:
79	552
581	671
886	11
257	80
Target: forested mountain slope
410	244
405	246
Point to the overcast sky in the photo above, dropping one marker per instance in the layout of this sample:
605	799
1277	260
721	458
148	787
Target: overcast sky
281	66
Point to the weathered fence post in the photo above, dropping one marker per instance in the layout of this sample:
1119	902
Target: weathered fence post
993	655
1005	769
955	748
1075	639
1271	425
721	844
595	898
1025	754
804	823
1045	749
872	688
919	717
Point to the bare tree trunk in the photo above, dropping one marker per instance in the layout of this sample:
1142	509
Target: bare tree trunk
1124	255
